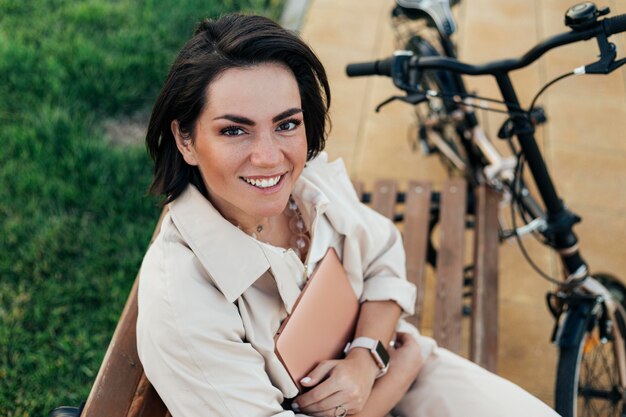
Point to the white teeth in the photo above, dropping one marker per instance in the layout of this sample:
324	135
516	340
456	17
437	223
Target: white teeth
264	183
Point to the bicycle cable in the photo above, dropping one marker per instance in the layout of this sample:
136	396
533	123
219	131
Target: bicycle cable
545	87
515	190
523	210
518	238
517	110
458	99
518	172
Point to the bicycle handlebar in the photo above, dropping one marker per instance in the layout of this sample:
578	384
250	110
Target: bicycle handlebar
616	24
378	67
605	27
404	67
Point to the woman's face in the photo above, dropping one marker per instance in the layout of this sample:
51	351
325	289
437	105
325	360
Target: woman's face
249	142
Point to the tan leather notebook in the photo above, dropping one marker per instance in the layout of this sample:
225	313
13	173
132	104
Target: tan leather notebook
322	321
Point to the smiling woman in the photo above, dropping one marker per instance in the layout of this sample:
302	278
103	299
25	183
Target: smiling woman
249	145
236	136
220	47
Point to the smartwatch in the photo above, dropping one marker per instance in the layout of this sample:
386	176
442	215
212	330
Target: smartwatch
377	350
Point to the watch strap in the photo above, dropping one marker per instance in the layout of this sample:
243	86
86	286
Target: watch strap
362	342
371	345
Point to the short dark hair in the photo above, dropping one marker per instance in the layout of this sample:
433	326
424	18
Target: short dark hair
232	41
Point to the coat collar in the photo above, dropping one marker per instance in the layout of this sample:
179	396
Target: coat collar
233	259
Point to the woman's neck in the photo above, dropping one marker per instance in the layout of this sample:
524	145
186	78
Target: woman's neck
286	229
256	227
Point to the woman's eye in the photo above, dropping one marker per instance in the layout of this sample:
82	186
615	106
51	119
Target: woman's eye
288	125
232	131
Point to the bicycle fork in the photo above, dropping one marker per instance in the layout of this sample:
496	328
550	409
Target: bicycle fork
591	307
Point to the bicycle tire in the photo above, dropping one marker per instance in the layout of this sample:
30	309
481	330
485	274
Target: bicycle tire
449	149
587	381
440	81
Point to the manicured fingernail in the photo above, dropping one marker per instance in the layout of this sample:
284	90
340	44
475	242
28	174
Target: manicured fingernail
305	380
295	407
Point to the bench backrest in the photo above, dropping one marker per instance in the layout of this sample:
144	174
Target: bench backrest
122	389
451	273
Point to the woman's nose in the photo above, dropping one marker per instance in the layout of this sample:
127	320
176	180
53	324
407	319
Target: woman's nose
266	151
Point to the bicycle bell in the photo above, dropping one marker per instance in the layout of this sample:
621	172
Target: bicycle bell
583	15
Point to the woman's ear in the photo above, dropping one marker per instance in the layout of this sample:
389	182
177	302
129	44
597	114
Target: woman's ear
184	144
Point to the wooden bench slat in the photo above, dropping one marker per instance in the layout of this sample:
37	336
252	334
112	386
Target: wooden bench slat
415	237
484	323
449	293
121	370
147	402
384	197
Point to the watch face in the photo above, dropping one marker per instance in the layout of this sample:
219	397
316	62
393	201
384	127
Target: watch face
382	353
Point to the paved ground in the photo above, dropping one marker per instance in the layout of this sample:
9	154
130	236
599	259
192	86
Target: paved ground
584	143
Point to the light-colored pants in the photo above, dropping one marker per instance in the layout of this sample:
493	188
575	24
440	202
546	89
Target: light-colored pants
451	386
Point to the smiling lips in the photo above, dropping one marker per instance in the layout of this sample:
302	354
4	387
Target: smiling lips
263	183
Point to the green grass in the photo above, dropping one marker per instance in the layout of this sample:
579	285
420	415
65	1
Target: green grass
74	216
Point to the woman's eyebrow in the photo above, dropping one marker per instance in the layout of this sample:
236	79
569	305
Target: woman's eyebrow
286	114
248	122
236	119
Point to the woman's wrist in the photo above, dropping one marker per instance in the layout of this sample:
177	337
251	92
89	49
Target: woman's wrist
365	360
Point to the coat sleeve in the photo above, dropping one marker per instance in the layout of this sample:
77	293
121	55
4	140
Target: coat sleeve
373	250
192	343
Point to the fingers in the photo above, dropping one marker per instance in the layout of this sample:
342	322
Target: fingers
318	374
333	386
402	337
406	355
317	399
327	406
405	344
343	382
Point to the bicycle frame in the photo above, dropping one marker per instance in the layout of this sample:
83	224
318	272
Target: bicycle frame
559	220
582	298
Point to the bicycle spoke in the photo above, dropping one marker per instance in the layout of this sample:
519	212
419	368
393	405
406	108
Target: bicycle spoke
598	387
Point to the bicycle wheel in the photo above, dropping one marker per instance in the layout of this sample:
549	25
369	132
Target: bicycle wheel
587	382
437	122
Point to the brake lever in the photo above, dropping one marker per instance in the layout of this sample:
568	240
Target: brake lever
601	67
607	63
414	98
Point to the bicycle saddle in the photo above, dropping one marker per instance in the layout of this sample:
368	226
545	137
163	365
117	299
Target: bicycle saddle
438	10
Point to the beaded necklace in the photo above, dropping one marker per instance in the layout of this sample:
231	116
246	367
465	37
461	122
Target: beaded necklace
299	241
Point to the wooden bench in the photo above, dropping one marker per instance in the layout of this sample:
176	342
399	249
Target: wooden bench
121	388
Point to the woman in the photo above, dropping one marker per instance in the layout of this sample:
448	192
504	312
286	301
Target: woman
236	136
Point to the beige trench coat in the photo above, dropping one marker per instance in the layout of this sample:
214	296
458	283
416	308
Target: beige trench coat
211	299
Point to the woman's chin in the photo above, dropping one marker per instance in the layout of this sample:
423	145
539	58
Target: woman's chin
271	210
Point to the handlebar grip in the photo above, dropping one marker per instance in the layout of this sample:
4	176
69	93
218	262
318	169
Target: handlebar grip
616	24
379	67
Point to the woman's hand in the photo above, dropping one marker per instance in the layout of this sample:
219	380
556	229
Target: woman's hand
348	382
345	382
405	358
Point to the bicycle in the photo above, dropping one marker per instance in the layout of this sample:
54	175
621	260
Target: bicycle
589	310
